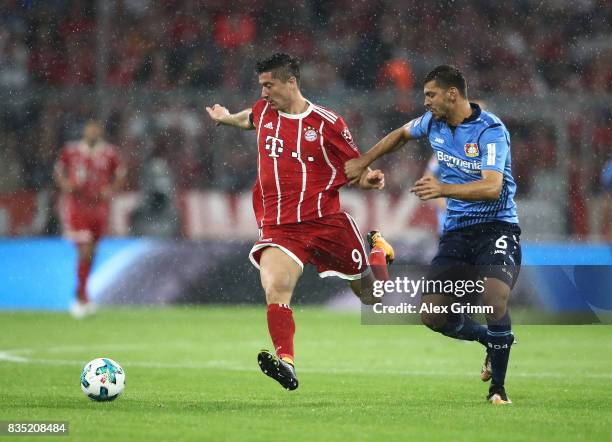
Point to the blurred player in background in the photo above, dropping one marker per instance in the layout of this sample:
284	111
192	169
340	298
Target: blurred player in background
88	172
481	226
302	148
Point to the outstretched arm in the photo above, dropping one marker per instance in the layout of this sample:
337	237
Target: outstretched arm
488	188
221	115
355	168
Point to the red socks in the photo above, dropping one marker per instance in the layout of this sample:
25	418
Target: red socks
378	264
282	329
83	273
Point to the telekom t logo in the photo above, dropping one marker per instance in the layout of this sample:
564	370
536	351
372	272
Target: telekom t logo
274	145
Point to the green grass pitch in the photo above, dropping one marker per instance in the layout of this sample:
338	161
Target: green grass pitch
191	374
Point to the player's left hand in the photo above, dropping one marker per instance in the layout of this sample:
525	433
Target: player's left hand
427	188
372	179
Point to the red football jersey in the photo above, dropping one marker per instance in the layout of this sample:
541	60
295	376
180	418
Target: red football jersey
300	164
89	170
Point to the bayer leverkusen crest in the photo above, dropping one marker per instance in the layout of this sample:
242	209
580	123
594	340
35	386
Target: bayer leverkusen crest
471	150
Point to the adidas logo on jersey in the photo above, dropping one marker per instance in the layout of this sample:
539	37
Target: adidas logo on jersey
268	125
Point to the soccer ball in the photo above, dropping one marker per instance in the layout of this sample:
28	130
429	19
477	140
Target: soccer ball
102	379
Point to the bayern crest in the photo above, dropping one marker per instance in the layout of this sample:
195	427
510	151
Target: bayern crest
310	135
471	150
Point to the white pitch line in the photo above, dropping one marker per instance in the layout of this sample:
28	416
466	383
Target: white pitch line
6	356
230	366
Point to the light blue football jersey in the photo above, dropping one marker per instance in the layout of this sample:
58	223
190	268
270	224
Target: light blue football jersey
480	142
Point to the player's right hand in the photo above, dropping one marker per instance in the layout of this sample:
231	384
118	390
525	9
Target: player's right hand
353	169
217	113
372	179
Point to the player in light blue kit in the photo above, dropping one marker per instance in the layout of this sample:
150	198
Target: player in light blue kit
481	234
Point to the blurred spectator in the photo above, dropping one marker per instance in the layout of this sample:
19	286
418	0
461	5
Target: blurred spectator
200	73
157	214
13	61
397	72
234	29
11	173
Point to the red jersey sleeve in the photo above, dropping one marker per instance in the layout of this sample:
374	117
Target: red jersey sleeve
341	147
340	139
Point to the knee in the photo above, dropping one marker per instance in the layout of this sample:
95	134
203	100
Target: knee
499	311
496	296
499	306
277	293
433	321
367	298
364	292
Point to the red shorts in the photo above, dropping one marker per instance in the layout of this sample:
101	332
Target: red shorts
84	223
333	244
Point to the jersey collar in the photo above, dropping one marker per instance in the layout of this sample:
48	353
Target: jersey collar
475	113
298	116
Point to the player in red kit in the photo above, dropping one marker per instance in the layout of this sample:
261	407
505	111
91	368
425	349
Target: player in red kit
302	148
87	172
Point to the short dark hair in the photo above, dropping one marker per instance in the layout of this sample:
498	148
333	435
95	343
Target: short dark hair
447	76
281	65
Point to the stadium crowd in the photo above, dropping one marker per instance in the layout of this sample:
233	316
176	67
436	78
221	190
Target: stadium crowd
146	68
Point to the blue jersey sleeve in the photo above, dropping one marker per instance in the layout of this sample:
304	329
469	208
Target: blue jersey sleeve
419	127
494	145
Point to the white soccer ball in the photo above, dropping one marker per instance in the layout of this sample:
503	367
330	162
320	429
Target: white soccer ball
102	379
